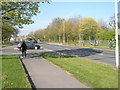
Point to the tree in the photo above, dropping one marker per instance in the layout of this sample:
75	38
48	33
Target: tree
110	35
8	31
103	25
75	28
105	35
112	22
101	35
119	20
53	29
69	29
19	13
37	34
88	27
15	14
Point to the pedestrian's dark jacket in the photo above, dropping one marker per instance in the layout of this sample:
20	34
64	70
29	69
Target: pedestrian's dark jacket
24	46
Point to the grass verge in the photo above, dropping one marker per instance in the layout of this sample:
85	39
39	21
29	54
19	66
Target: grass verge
5	44
0	73
13	75
91	46
92	74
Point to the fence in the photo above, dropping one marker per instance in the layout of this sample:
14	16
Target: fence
89	43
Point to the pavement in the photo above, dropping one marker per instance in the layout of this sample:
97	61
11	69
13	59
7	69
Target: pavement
46	75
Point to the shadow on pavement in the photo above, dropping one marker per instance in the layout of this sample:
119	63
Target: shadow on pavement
29	78
32	55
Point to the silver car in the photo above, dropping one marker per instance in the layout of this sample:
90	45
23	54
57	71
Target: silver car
30	45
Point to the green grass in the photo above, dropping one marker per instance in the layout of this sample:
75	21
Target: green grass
91	46
5	44
13	74
86	45
90	73
0	74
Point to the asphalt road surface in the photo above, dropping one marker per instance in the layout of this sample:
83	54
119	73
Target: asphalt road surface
99	55
13	50
103	56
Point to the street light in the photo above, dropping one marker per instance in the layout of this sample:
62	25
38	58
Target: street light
116	28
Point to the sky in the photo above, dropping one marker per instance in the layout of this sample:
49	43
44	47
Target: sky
66	10
119	15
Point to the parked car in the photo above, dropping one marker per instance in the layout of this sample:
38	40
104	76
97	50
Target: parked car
30	45
35	41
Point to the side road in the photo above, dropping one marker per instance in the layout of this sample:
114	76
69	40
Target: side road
46	75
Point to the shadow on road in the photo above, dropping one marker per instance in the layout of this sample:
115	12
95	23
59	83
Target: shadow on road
82	52
54	55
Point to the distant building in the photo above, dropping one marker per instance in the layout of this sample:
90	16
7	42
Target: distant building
12	39
19	38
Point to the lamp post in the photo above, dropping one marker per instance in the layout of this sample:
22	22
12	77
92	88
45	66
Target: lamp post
116	29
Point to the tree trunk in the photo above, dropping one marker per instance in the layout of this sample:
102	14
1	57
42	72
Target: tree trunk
89	38
59	39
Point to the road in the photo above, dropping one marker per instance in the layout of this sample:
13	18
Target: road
13	50
99	55
103	56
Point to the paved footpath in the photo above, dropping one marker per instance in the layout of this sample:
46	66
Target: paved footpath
46	75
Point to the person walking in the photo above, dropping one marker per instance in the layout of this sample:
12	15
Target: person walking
111	43
95	42
24	49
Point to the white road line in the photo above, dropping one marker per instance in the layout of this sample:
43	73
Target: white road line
48	50
67	48
100	54
15	48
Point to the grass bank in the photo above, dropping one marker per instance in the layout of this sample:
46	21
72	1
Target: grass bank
90	73
13	75
5	44
91	46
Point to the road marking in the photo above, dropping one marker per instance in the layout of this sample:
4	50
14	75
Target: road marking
100	54
67	48
15	48
48	50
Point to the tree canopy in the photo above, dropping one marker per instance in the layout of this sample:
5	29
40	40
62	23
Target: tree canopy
16	14
60	30
8	31
88	27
